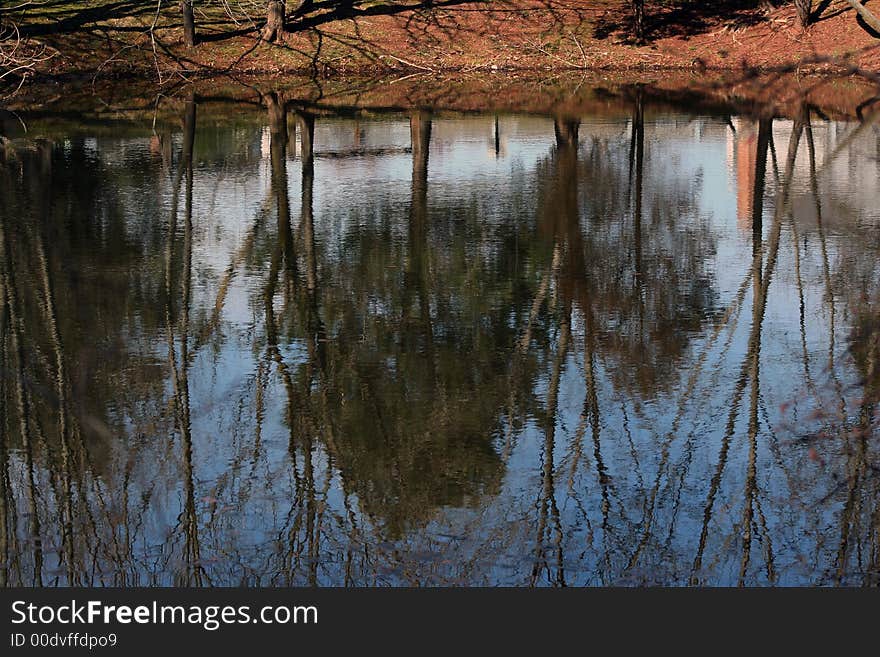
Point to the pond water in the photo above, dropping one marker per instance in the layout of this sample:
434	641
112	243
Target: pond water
277	347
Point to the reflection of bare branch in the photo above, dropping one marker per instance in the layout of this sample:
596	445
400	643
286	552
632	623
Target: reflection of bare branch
802	306
61	385
189	519
21	396
826	268
749	370
847	141
672	434
547	499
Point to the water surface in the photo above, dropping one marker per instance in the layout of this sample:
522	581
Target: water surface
274	347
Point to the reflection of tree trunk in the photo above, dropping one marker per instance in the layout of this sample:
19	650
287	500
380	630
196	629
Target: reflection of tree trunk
637	159
189	22
166	151
751	493
591	410
420	141
317	338
754	364
826	267
4	459
192	527
6	504
311	508
307	134
418	269
189	517
750	367
284	247
300	420
548	510
566	131
278	148
277	124
294	412
754	352
42	183
563	210
858	470
525	339
765	130
563	204
805	116
16	333
61	392
291	133
4	464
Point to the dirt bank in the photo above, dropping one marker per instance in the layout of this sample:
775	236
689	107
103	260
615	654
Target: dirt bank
110	39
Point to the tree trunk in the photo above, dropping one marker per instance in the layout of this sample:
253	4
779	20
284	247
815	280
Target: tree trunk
638	10
870	19
804	11
189	23
274	21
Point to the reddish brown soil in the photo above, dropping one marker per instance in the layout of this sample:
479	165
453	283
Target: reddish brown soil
776	40
480	36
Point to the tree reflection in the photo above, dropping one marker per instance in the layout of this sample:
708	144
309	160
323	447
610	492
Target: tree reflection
57	420
542	378
178	327
396	444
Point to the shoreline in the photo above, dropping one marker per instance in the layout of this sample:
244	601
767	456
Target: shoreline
563	93
832	67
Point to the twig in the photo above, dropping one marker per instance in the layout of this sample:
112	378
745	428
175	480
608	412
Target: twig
153	40
403	61
581	48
